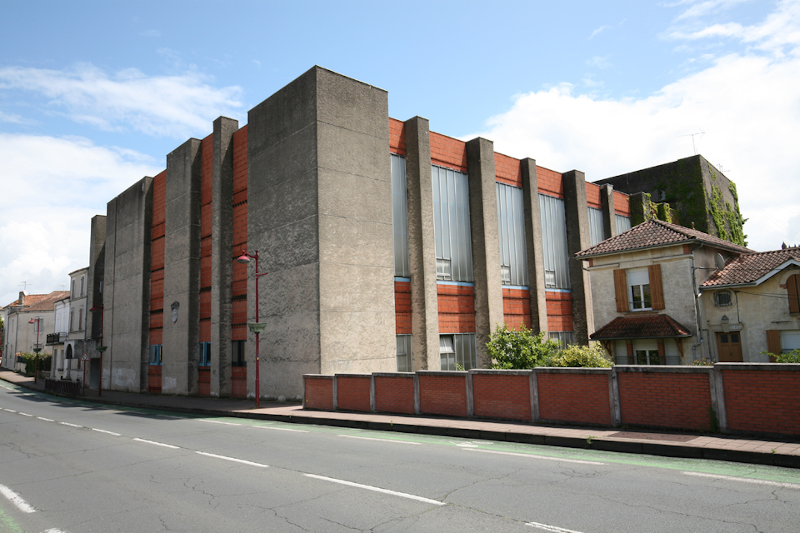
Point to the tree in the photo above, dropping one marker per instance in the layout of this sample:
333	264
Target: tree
520	349
787	357
581	356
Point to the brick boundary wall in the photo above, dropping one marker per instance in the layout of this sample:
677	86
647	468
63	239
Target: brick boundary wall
759	398
395	393
318	392
742	398
443	393
502	394
353	392
575	396
678	397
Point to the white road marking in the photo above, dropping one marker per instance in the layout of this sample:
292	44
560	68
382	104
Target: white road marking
54	530
379	440
745	480
547	527
282	429
70	425
530	456
24	414
45	419
233	459
104	431
376	489
17	500
157	443
220	422
9	410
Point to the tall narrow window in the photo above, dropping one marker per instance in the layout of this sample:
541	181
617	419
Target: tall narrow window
623	223
404	358
458	351
80	319
238	354
451	225
400	216
596	232
793	290
155	354
639	289
554	242
83	280
511	220
204	354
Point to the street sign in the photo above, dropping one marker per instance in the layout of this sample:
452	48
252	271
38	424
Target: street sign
85	357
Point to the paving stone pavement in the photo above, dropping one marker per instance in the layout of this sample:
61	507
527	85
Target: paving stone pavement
725	447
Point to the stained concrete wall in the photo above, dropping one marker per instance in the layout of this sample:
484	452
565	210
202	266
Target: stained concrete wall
533	245
578	239
221	255
319	214
181	333
97	263
126	287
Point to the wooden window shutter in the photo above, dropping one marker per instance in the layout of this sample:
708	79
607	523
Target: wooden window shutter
773	342
621	290
793	287
656	287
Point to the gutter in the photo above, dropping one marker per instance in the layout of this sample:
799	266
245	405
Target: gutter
696	305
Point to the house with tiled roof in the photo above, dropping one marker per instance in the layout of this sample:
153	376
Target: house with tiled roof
20	333
645	292
756	295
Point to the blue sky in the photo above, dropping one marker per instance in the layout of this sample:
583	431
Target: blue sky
93	95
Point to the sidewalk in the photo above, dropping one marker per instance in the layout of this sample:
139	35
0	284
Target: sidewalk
689	445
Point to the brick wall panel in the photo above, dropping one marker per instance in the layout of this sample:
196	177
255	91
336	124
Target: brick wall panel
448	152
443	394
674	400
574	398
319	393
353	393
763	401
394	394
397	137
456	309
550	182
507	170
502	396
402	307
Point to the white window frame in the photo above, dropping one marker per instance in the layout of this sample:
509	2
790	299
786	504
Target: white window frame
636	280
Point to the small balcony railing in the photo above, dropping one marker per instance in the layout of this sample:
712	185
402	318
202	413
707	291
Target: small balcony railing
56	338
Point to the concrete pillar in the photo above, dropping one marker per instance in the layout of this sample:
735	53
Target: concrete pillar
609	215
485	243
422	247
222	255
320	215
533	245
578	239
640	208
126	288
94	296
182	270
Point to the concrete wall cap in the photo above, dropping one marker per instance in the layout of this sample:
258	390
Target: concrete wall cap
570	370
766	367
317	376
353	375
393	374
457	373
501	371
665	369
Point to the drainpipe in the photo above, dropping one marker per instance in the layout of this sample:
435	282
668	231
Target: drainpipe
696	306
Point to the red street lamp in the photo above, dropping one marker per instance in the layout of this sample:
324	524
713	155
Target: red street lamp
100	349
255	327
37	349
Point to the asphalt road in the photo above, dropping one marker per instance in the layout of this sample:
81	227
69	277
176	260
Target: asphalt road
72	467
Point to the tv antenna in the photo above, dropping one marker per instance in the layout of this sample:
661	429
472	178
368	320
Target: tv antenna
692	135
25	285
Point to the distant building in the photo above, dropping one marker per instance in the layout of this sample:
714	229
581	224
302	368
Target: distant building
20	334
698	193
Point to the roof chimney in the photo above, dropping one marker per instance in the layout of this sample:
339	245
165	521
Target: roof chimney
22	298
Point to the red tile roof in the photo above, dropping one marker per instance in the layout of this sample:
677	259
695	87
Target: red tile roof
641	327
749	268
655	233
40	302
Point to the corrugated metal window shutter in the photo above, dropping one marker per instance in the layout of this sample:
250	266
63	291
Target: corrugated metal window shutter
621	290
793	287
773	342
656	288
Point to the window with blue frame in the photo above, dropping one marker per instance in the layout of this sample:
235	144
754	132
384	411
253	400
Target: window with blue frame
155	354
204	355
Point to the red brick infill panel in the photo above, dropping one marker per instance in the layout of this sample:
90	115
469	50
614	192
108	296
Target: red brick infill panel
318	392
762	398
665	397
502	394
574	395
394	393
443	393
353	392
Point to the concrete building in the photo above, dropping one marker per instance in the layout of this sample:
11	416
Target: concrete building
752	305
699	194
385	245
645	287
20	334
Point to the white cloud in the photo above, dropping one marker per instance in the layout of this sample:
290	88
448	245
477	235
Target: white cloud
51	189
749	107
171	106
707	7
598	31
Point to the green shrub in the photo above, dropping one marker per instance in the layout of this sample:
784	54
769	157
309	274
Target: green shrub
519	349
30	358
580	356
703	362
787	357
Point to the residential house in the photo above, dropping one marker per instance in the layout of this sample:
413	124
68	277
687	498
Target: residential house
752	305
21	324
645	292
58	337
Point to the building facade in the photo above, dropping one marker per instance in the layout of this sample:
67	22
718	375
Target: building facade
20	333
382	246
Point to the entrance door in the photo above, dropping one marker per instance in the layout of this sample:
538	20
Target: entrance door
94	373
730	347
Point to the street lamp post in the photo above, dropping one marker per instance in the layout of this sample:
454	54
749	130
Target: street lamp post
100	349
256	327
37	349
